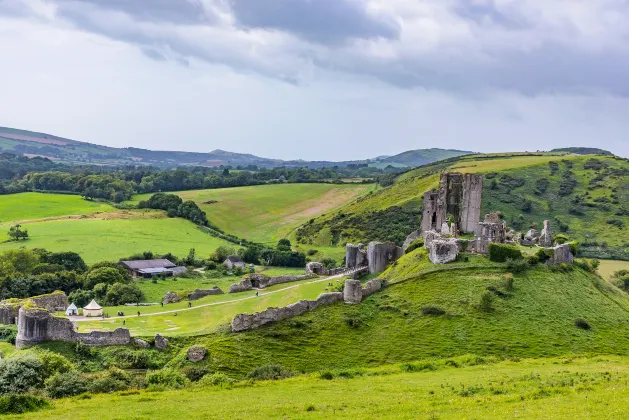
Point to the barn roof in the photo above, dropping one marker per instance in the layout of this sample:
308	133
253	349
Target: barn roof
234	259
147	264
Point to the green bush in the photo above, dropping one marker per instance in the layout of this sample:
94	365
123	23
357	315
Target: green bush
327	375
20	374
168	378
501	252
561	239
517	266
8	333
432	310
270	372
20	404
66	384
486	302
574	247
216	379
106	385
418	367
582	324
417	243
53	363
194	373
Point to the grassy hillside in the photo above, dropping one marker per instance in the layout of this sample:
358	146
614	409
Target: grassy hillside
565	388
99	239
267	213
414	158
32	206
585	198
394	212
536	319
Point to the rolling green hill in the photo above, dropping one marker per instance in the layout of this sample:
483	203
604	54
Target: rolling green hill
583	196
414	158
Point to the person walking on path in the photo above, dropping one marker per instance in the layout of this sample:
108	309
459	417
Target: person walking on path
189	304
138	313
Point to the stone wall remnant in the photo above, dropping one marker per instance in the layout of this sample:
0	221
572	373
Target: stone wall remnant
161	342
561	255
410	239
201	293
492	230
244	322
443	251
379	255
355	255
546	237
171	297
196	354
38	325
372	286
353	292
260	281
9	309
316	268
472	202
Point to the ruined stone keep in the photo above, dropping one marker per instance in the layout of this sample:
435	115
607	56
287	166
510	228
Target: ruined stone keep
459	196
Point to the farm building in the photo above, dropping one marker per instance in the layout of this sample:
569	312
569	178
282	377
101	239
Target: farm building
93	309
72	310
152	268
234	261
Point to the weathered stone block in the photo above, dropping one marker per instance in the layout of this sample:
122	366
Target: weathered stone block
443	251
379	255
546	237
561	255
196	354
353	291
201	293
171	297
161	342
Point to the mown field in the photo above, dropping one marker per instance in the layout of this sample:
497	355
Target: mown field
609	267
33	206
208	313
460	388
111	239
267	213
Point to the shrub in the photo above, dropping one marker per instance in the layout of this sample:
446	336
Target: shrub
574	247
432	310
312	252
53	363
269	372
20	404
501	252
20	373
194	373
595	264
327	375
509	283
582	324
106	385
486	302
8	333
417	243
211	265
168	378
216	379
418	367
517	266
66	385
329	263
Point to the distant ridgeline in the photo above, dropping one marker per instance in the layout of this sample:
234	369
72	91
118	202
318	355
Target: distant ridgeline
584	151
584	197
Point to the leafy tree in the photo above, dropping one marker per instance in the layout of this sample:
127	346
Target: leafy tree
119	294
221	253
16	233
17	261
71	261
284	245
81	297
105	275
20	374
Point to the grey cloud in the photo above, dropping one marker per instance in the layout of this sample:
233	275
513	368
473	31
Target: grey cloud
322	21
487	11
173	11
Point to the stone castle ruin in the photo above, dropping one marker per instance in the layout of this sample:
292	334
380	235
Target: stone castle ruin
375	258
37	323
458	200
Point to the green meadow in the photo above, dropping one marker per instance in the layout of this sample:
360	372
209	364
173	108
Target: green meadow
459	388
33	206
111	239
208	313
267	213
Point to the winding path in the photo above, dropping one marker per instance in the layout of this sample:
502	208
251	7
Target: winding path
211	304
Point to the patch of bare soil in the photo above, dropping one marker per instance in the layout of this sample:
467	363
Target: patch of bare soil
211	202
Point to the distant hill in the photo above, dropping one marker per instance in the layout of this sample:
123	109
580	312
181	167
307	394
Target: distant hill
30	143
584	151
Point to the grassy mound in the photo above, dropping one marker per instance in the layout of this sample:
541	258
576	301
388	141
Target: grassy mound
534	318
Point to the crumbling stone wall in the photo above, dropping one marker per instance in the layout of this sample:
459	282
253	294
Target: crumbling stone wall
260	281
355	255
546	237
472	201
372	286
353	292
9	309
38	325
244	322
201	293
316	268
379	255
561	255
412	237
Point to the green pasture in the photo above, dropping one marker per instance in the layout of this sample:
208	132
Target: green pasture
267	213
155	289
461	388
208	313
33	206
100	240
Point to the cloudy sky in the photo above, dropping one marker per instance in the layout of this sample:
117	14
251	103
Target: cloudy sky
319	79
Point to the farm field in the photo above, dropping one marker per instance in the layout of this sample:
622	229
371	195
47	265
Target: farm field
609	267
267	213
468	388
111	239
204	319
33	206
